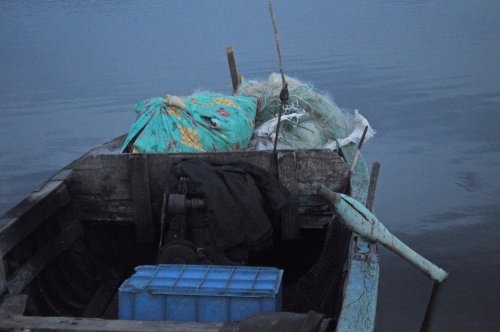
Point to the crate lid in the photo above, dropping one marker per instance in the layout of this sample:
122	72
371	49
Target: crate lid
204	280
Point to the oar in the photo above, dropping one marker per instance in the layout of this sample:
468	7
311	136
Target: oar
361	221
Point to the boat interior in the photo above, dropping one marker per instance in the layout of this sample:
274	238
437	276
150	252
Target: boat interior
71	243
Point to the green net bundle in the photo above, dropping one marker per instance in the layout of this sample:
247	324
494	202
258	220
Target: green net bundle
309	120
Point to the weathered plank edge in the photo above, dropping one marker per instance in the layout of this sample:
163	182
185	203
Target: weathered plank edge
141	196
233	70
288	177
87	203
18	323
27	215
361	285
13	304
30	270
103	295
3	277
21	220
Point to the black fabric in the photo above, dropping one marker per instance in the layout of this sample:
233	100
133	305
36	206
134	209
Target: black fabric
237	197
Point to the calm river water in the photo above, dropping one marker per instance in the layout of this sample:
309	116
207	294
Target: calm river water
425	73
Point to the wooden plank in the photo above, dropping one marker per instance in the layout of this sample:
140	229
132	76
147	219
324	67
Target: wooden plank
141	196
372	186
313	166
110	183
313	200
111	147
90	208
108	175
13	304
320	167
3	276
20	221
71	324
24	275
313	222
359	180
235	78
104	294
290	228
361	283
360	294
262	158
101	184
63	175
93	208
104	175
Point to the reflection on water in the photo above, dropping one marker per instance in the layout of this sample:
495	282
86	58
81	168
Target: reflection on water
425	73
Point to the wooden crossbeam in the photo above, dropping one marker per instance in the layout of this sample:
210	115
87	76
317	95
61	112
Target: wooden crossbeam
71	324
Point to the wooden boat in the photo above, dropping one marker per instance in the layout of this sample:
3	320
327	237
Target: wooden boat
67	247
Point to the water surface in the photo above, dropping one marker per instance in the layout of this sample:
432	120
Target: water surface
425	73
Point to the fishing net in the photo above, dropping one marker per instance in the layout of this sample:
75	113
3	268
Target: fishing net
309	120
320	288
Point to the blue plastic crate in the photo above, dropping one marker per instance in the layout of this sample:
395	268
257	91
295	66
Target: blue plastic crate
201	293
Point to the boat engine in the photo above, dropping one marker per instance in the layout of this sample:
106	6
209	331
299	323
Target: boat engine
185	232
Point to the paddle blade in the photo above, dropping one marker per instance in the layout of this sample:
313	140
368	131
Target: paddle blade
361	221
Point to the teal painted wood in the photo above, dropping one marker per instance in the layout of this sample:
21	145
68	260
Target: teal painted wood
360	220
361	285
360	297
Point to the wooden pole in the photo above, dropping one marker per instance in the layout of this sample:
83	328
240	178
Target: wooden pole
430	311
356	157
277	40
235	78
284	89
372	186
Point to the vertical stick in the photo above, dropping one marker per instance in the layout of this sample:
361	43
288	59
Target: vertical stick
277	39
284	89
3	276
429	312
235	79
163	218
358	150
372	186
355	159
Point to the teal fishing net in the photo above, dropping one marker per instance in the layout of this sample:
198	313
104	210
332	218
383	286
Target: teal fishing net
309	120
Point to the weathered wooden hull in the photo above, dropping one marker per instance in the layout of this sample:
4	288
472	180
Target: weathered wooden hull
70	243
